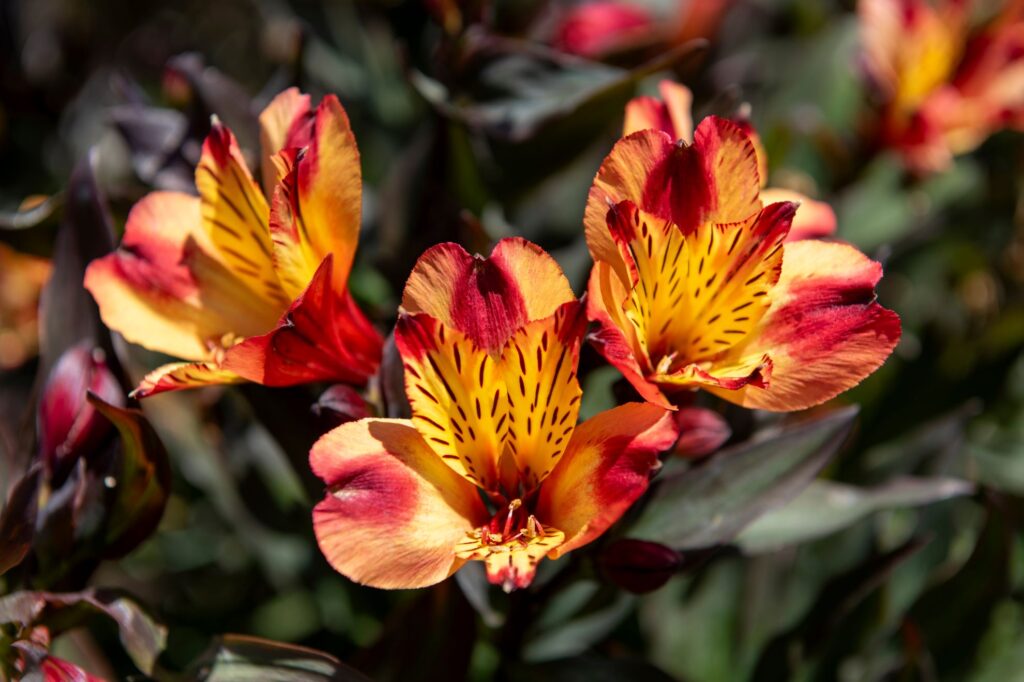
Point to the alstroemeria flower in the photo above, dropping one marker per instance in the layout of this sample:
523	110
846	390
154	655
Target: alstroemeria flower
671	114
695	286
946	88
492	466
247	285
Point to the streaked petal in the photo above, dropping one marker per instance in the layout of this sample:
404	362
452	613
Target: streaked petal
457	394
716	179
671	114
695	296
236	215
318	204
323	336
487	299
813	220
393	512
615	337
623	175
824	331
282	125
166	287
181	375
606	468
539	369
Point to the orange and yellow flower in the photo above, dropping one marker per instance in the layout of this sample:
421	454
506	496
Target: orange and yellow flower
492	466
945	87
246	284
21	283
672	115
696	286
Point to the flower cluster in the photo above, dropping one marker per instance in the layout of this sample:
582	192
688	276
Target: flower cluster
702	279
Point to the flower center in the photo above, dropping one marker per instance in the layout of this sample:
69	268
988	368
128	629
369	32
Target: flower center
510	545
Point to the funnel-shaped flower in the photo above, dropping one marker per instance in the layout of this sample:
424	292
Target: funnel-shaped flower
492	466
671	114
695	286
945	87
249	286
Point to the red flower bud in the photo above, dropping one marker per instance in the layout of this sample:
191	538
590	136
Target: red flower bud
639	566
68	425
702	432
340	404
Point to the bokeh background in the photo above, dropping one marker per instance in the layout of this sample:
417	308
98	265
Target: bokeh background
494	133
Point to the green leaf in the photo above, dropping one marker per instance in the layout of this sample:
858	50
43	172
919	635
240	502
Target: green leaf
825	507
710	503
238	657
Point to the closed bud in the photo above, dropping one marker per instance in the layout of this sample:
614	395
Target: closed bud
702	432
639	566
340	404
68	424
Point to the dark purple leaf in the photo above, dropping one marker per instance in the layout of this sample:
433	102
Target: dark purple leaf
17	523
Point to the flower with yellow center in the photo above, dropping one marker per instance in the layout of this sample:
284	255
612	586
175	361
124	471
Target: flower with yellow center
695	286
493	465
248	284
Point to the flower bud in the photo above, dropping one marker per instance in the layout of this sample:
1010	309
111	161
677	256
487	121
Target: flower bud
639	566
340	404
68	424
702	432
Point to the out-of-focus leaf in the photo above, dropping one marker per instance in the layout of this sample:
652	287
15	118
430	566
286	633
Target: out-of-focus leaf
589	669
574	637
141	478
711	502
519	87
154	137
218	94
438	647
880	209
472	580
1000	470
787	652
825	507
17	522
141	637
67	312
972	594
37	214
242	658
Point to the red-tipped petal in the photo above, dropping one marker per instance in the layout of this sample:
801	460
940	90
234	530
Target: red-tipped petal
393	512
605	469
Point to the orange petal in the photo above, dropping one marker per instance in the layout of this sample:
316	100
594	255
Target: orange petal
181	375
235	215
623	175
539	369
671	114
166	287
322	337
716	179
318	204
813	220
824	331
393	512
282	125
606	468
457	394
487	299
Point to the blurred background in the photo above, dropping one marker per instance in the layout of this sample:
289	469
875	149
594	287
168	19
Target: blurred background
478	120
